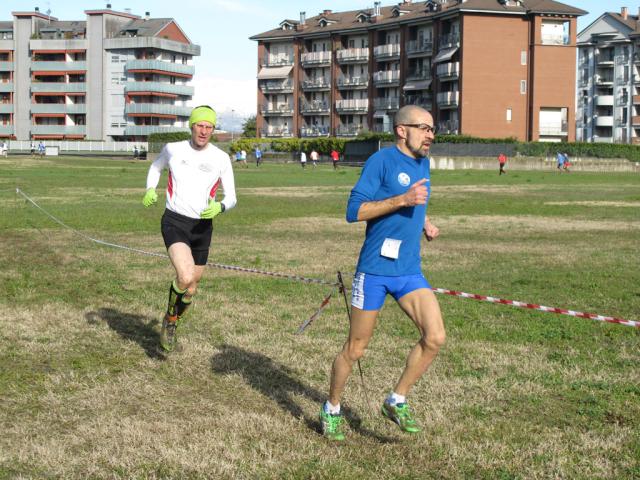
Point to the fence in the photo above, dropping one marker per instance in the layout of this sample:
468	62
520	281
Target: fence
16	146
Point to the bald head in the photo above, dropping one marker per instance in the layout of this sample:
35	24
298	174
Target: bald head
410	114
414	131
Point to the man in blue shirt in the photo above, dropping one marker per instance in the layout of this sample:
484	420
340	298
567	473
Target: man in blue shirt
391	196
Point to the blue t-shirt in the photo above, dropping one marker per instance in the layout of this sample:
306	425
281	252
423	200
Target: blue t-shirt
389	173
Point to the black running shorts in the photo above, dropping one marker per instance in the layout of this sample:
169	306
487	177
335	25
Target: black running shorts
194	232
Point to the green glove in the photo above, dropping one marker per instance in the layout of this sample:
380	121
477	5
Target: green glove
150	197
214	208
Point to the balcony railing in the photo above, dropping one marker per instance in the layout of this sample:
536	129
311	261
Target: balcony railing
352	82
448	70
386	77
352	105
320	83
388	51
553	129
6	107
604	100
54	87
448	98
352	55
449	40
315	106
316	58
67	108
6	129
277	86
604	59
6	66
58	66
386	103
315	131
277	60
419	74
277	109
159	65
143	130
415	47
58	129
275	132
157	108
448	127
383	128
604	80
419	100
159	87
6	86
349	130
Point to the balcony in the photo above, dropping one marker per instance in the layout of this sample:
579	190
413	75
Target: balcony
277	86
389	51
419	74
316	84
448	71
417	48
6	87
315	59
315	131
553	129
6	107
386	103
349	130
275	132
280	60
160	66
352	83
601	139
58	66
604	121
277	109
159	87
353	55
315	107
449	40
604	80
157	109
58	130
604	60
6	129
423	101
386	78
449	127
383	128
58	87
6	66
355	105
59	108
144	130
448	99
604	100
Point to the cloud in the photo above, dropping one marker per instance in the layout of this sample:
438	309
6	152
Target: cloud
226	94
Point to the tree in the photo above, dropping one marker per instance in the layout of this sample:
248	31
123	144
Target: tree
249	127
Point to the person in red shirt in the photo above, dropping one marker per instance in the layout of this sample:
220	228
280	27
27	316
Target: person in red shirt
502	159
335	156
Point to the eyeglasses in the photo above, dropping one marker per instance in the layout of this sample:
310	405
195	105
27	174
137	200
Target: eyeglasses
420	126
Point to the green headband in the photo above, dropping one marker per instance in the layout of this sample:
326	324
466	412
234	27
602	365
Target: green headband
202	114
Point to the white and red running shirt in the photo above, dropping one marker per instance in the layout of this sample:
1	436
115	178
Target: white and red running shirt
194	177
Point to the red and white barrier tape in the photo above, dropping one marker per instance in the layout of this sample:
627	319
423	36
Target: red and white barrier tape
514	303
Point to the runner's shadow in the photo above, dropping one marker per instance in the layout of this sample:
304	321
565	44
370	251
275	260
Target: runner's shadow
278	382
129	326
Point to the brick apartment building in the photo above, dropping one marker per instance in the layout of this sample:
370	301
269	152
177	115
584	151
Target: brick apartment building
609	79
114	76
487	68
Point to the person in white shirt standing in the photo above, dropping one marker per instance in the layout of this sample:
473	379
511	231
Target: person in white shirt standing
196	170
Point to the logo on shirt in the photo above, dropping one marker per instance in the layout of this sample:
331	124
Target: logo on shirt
205	167
403	179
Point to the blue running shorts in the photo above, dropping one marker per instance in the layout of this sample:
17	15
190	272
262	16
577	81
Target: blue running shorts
369	291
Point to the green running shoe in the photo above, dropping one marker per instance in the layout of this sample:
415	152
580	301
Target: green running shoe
331	425
400	414
168	336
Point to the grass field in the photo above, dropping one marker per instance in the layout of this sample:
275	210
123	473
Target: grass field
514	394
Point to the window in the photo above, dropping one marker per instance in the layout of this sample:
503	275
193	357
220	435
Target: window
555	33
523	58
523	87
509	112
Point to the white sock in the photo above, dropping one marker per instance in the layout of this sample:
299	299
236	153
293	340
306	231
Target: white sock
331	408
394	398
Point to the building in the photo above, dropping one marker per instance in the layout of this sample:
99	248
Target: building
608	93
114	76
487	68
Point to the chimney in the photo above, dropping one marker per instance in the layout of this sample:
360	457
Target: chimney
127	10
108	6
147	15
376	9
37	9
303	18
326	12
624	13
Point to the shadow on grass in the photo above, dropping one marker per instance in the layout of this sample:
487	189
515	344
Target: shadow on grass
278	382
130	326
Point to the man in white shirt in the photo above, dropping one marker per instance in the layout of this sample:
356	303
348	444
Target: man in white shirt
196	170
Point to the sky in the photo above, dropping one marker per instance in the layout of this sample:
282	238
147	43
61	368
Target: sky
226	71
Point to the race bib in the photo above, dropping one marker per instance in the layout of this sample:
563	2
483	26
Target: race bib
390	248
